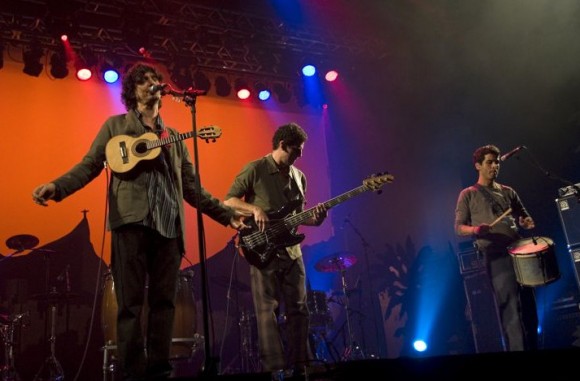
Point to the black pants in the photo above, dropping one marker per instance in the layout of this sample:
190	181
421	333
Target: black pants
516	303
144	264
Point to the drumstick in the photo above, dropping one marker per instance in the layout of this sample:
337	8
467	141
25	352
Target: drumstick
500	217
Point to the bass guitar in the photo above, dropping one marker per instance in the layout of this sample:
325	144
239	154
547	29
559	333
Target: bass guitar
259	247
123	152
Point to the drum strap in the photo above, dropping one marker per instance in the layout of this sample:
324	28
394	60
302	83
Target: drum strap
495	205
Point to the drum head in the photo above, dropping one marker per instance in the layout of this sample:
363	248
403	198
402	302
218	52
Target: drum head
530	245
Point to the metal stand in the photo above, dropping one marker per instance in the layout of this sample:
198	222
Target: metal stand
352	351
8	370
51	370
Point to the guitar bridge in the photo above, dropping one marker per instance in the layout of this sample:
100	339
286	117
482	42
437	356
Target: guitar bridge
123	152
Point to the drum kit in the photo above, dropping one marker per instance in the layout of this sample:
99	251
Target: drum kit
340	262
9	321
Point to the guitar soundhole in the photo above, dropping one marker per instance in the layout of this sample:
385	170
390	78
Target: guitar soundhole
141	147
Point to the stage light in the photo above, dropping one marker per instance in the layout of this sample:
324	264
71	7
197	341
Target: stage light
308	70
222	86
331	75
201	81
242	88
110	75
58	65
282	92
83	71
110	67
31	58
180	73
420	345
263	91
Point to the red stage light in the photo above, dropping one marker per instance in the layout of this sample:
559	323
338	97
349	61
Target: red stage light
331	75
84	74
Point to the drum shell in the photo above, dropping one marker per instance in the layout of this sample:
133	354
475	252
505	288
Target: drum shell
534	261
184	338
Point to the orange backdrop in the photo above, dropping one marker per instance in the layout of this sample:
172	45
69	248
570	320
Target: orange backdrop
49	124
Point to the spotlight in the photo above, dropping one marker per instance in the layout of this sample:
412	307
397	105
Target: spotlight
110	68
242	88
58	65
331	75
282	92
308	70
83	72
263	91
201	81
32	64
110	74
222	86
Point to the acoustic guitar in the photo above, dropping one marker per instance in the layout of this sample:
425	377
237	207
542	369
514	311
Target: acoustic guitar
123	152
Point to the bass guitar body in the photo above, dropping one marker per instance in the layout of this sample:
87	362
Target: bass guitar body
259	248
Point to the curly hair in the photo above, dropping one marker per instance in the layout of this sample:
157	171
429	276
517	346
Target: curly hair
134	76
292	135
479	153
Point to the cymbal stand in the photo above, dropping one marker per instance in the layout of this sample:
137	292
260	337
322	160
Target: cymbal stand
8	371
51	369
352	351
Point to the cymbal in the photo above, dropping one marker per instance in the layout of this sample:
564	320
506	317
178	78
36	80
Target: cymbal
335	262
22	242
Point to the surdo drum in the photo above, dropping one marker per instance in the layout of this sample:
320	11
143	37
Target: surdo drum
184	339
534	261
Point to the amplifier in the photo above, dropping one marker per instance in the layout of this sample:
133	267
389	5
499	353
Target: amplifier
469	261
569	210
569	190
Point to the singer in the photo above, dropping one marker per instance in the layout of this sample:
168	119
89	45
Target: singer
477	207
147	221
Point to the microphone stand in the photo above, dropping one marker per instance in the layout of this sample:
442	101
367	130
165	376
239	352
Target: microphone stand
574	188
190	97
366	247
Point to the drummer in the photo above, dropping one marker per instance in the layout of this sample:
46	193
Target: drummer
487	211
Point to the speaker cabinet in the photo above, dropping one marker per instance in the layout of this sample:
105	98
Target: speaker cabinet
483	313
569	210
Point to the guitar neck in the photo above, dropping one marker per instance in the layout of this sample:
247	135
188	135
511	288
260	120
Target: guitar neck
299	218
171	139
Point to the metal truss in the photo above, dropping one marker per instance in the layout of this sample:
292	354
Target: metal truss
205	34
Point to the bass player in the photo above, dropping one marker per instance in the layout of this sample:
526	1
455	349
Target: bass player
278	277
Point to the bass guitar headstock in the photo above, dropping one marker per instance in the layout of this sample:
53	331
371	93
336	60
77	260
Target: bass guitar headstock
376	181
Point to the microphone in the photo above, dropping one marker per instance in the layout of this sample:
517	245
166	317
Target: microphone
511	153
155	88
